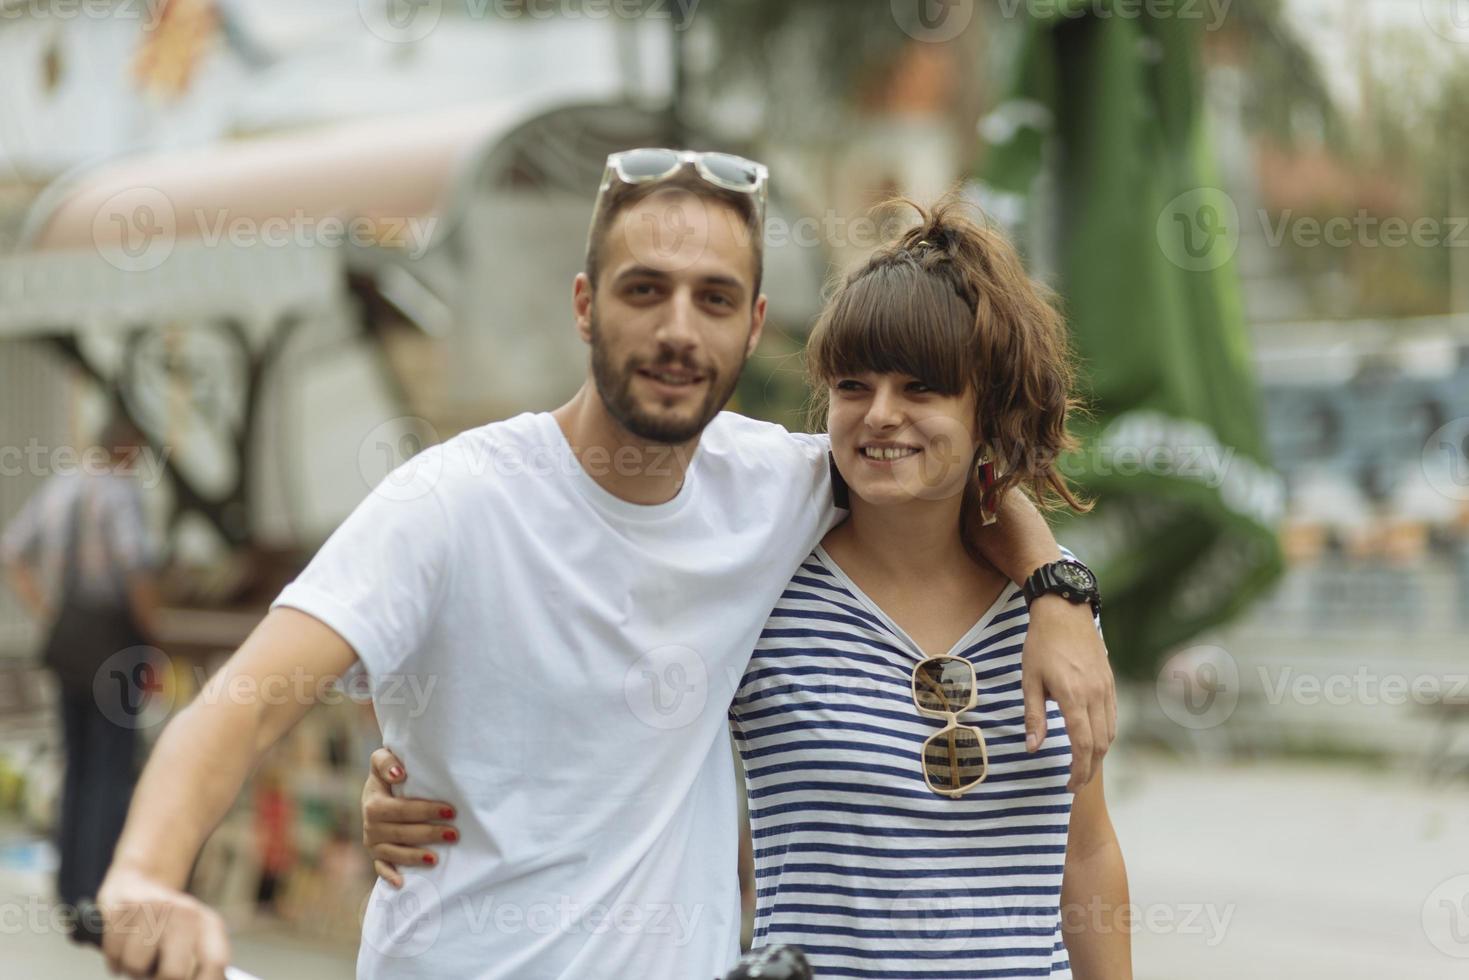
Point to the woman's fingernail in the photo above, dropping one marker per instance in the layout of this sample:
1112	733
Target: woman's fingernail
451	835
396	772
447	813
429	859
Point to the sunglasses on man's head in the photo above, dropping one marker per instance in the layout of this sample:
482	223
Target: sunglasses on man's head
724	170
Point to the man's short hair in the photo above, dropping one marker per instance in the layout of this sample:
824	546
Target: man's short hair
620	196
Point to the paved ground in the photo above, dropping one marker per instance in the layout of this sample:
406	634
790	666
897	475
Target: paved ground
1268	870
1314	872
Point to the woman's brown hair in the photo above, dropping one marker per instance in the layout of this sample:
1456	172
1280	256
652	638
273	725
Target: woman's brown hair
949	303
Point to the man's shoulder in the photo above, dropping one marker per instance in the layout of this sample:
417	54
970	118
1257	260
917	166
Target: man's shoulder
731	433
474	461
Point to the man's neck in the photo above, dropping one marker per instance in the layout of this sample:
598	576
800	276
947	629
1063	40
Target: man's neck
629	468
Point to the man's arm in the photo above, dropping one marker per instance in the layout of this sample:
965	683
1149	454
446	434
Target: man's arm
197	769
23	581
143	600
1065	658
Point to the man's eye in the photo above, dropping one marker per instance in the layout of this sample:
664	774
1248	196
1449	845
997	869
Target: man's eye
641	289
720	298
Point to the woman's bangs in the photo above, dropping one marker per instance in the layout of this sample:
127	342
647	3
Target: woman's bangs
897	320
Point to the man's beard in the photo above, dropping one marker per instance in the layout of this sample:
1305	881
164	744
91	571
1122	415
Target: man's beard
615	386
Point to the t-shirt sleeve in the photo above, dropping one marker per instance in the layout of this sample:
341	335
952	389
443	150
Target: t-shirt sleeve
813	475
379	578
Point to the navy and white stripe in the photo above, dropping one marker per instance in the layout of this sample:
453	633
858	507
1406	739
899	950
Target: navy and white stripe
856	860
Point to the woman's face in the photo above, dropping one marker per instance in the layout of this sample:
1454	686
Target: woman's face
896	440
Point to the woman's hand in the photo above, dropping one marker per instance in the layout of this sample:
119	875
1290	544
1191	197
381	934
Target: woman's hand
395	831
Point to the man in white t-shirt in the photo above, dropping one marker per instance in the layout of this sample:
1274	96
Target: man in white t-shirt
553	612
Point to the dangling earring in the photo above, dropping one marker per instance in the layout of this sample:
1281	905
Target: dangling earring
841	494
988	505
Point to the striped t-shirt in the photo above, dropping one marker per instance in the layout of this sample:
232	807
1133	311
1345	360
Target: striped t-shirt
857	861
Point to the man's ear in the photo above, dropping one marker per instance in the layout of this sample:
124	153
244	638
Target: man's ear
581	306
757	324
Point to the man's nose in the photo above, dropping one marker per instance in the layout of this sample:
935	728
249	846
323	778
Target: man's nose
676	329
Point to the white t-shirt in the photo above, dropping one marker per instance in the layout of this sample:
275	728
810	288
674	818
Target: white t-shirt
559	664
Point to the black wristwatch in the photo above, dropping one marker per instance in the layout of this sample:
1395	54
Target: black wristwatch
1067	578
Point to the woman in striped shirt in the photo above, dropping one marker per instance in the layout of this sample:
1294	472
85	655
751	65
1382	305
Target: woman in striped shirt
900	828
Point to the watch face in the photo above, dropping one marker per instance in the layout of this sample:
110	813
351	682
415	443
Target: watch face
1076	576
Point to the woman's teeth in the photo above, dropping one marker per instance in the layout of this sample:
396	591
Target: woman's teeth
887	452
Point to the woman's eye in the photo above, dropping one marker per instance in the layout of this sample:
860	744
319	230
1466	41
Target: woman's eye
919	387
848	385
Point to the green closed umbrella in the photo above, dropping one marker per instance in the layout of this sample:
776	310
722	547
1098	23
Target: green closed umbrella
1183	535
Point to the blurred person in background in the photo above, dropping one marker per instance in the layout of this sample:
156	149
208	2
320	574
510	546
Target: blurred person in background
886	843
80	557
588	584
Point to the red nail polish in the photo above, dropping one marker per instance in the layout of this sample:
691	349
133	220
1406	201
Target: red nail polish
447	813
451	835
429	859
395	773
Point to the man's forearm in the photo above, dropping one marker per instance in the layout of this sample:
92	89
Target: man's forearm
143	600
29	590
1020	540
207	751
196	770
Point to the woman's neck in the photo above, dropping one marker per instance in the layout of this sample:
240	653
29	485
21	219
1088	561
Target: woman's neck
913	541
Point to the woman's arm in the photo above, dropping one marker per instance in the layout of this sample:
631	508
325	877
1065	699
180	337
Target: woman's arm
1096	917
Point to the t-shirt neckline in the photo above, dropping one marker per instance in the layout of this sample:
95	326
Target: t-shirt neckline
603	499
964	642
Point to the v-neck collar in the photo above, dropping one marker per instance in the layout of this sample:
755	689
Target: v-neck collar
970	635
